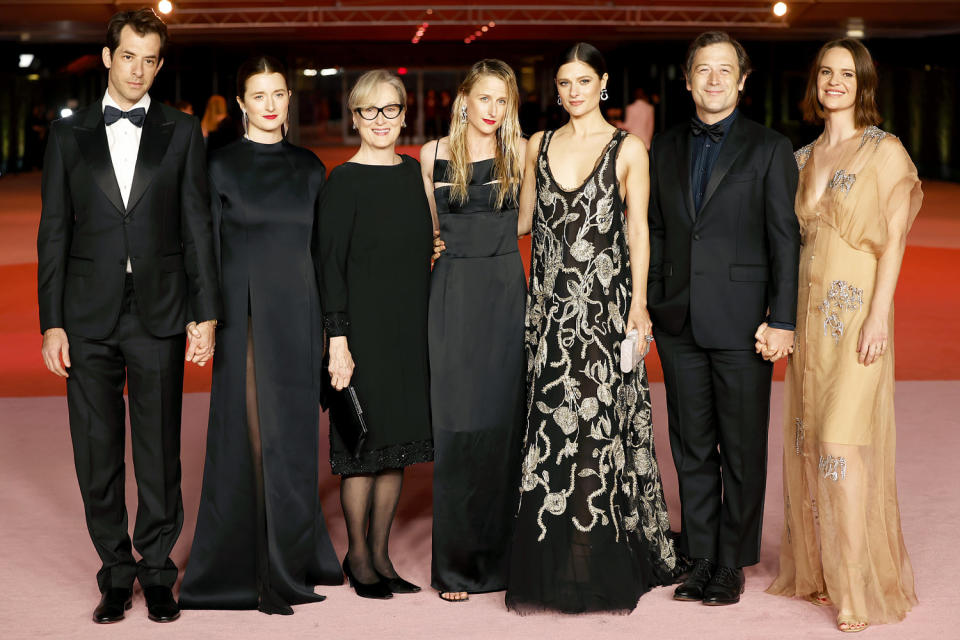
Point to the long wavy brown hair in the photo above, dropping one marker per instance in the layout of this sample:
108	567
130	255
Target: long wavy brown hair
508	164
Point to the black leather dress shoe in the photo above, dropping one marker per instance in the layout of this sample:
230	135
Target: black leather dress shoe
725	587
398	584
377	590
161	607
113	602
691	589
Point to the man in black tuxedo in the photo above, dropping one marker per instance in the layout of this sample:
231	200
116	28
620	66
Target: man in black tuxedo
724	247
126	272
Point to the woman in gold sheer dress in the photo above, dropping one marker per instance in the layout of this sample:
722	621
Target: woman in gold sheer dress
857	197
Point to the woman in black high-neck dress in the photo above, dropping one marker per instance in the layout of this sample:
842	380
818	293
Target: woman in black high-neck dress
261	541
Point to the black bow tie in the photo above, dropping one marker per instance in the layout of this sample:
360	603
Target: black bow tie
715	131
135	116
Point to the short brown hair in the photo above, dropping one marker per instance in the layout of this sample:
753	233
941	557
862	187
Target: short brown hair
716	37
142	21
866	112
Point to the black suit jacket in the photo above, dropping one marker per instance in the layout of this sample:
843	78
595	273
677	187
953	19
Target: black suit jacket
735	263
86	233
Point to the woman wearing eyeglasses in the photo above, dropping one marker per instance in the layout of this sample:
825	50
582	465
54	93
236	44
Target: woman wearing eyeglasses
375	247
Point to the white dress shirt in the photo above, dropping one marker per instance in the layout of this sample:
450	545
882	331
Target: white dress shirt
123	139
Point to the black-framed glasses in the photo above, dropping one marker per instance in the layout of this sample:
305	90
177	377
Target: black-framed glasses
389	111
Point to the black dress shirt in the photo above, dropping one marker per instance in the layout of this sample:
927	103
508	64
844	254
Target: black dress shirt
703	155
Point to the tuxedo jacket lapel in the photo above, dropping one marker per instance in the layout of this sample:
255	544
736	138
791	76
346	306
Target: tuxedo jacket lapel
153	146
731	149
91	136
683	165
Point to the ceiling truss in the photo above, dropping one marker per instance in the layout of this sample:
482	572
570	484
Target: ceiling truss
635	17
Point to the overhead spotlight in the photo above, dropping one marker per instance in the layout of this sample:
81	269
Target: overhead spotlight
855	28
429	12
310	72
477	33
164	6
329	71
780	9
26	59
484	28
491	24
467	41
66	112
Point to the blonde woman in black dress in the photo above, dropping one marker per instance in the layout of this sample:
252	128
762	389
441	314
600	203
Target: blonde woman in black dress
375	247
477	299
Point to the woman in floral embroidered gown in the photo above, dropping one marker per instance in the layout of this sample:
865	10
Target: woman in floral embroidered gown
592	530
857	197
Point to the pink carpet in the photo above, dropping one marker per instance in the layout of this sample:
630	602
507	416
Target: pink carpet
47	584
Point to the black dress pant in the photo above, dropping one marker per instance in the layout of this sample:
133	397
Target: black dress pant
153	370
718	406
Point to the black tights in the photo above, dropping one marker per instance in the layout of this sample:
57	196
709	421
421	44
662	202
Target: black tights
270	602
369	504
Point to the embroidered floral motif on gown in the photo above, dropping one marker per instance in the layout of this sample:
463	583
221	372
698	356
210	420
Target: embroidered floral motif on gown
842	521
592	529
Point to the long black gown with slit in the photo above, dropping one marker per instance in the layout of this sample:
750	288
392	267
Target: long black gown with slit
477	368
261	541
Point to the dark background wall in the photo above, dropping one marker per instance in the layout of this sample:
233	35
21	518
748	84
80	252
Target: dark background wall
918	84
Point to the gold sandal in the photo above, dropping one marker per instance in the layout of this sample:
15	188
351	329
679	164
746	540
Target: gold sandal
848	624
820	599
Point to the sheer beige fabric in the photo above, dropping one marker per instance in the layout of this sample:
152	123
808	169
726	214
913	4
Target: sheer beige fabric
842	521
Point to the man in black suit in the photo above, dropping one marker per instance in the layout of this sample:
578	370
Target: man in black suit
724	247
126	272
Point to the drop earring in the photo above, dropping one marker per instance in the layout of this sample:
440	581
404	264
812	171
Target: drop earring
463	113
603	94
559	101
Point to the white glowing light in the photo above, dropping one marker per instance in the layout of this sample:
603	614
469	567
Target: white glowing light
65	112
780	9
26	59
309	72
329	71
854	33
165	6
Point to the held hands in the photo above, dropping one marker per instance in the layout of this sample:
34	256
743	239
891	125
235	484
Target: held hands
341	363
873	339
56	348
438	246
201	340
773	344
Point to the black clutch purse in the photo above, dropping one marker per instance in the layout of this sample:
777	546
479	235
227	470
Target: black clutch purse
346	416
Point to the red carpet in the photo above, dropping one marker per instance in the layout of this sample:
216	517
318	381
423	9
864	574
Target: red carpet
927	298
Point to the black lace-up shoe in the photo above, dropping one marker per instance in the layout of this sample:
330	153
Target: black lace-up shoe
691	589
725	587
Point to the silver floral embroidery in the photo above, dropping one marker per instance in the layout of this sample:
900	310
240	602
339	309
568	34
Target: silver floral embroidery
802	155
874	134
589	450
841	297
798	437
842	180
833	468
